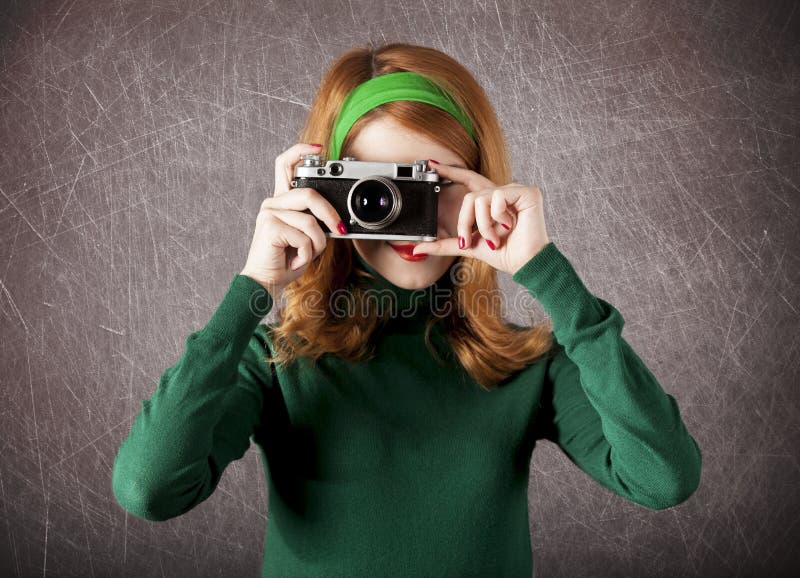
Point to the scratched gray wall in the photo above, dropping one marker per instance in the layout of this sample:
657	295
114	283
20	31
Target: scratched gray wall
137	143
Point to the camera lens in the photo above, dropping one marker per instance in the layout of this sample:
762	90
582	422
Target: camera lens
374	202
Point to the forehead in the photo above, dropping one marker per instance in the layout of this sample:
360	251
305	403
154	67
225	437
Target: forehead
385	127
384	140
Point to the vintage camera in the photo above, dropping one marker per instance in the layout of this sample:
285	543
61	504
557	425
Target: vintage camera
376	200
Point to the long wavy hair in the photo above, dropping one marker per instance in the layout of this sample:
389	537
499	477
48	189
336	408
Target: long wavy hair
488	348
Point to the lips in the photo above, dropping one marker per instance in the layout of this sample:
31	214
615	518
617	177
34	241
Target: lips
405	251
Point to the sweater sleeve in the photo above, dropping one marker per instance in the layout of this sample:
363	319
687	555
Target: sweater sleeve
201	415
602	405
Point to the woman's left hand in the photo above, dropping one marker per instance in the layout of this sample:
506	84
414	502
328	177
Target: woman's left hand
517	206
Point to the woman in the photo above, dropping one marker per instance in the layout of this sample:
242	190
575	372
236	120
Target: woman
397	440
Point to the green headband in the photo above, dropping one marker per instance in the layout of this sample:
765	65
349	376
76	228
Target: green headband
388	88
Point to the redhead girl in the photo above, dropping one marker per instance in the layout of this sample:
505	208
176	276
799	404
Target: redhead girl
396	436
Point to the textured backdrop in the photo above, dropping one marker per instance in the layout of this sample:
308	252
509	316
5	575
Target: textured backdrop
137	142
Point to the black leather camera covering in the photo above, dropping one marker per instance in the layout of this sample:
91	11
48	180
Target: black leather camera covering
418	214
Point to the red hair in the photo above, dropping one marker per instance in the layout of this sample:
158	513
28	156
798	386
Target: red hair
489	349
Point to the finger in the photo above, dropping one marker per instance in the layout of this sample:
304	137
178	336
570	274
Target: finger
441	247
474	181
286	237
485	223
449	246
285	162
305	223
521	197
466	219
304	198
499	210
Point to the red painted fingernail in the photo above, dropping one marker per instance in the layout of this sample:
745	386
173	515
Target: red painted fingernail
342	228
434	162
506	226
461	243
316	145
491	245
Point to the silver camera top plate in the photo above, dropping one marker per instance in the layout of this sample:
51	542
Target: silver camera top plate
314	166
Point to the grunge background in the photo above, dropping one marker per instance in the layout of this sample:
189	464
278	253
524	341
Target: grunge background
137	140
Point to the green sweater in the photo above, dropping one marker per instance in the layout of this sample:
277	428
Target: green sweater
402	466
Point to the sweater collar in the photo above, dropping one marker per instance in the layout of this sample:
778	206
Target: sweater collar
407	309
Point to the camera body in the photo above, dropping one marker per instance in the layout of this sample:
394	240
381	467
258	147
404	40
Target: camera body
377	200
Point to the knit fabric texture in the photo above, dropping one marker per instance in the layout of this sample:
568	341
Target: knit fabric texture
403	465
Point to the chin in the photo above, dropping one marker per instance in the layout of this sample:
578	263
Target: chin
413	272
417	282
400	267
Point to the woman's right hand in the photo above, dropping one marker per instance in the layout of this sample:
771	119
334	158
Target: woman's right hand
286	239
